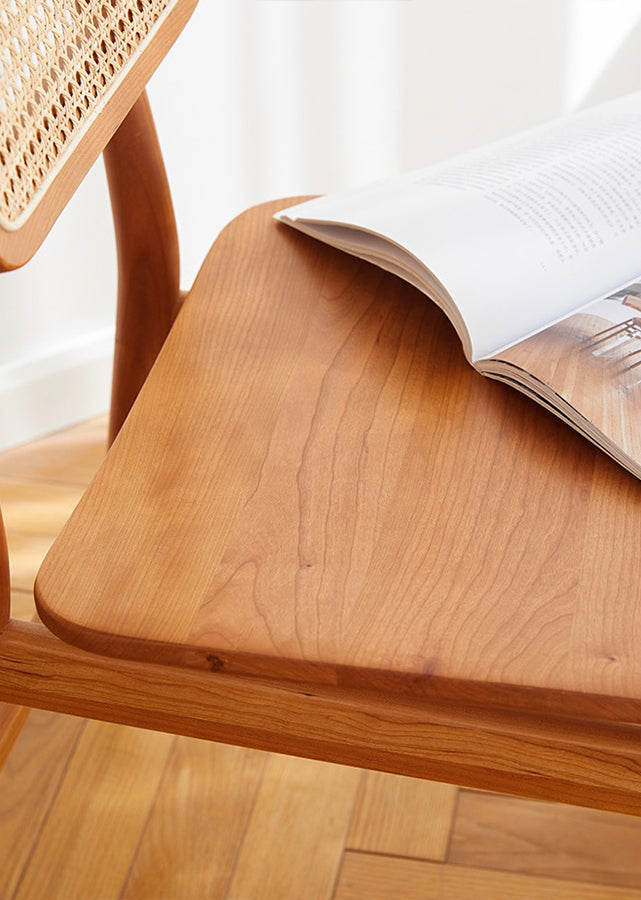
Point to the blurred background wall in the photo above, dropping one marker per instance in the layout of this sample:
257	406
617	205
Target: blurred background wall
268	98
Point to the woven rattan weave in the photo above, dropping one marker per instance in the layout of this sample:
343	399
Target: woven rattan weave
58	63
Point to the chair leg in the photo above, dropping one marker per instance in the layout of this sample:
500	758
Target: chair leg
148	258
5	583
12	718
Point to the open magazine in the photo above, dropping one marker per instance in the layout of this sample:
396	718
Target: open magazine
532	247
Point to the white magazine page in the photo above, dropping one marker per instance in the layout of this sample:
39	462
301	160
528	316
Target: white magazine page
520	233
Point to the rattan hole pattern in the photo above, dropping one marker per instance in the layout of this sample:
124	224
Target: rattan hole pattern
58	61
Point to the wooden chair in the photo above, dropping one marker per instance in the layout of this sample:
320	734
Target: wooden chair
318	530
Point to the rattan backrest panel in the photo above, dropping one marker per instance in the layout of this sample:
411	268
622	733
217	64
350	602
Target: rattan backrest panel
60	63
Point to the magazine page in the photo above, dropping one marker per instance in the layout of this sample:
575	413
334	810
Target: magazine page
517	234
588	367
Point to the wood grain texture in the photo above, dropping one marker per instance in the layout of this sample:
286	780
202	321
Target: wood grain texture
35	513
343	499
29	782
365	877
306	808
190	842
18	246
148	258
403	817
178	835
71	852
586	763
546	839
327	547
322	513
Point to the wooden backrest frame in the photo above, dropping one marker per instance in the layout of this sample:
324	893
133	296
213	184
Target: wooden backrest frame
148	300
148	255
18	244
148	272
145	228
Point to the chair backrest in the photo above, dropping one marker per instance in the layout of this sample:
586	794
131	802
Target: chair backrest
69	73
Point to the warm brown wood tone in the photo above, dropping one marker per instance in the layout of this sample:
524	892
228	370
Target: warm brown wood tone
12	718
366	877
37	510
544	839
403	816
345	546
148	260
190	843
65	457
345	501
105	756
308	818
586	763
34	514
18	246
204	809
29	784
5	578
39	486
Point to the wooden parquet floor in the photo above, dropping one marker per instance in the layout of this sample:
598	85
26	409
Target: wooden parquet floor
94	811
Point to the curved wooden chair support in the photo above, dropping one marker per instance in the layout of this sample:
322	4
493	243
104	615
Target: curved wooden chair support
5	586
11	717
148	299
148	256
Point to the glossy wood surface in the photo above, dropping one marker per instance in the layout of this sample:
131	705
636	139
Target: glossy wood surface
148	258
315	486
18	245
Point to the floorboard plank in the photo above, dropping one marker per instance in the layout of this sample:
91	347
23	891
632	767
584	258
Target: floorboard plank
29	781
403	816
297	832
36	509
118	810
189	845
546	839
367	877
89	837
70	456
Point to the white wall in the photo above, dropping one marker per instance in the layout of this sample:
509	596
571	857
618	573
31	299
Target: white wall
266	98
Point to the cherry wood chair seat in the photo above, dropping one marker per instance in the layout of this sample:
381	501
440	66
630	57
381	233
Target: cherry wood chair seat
319	531
314	486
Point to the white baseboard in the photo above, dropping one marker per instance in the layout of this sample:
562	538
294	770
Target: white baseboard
51	391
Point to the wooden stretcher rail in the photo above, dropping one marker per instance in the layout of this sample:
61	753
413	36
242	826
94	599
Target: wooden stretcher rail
584	763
